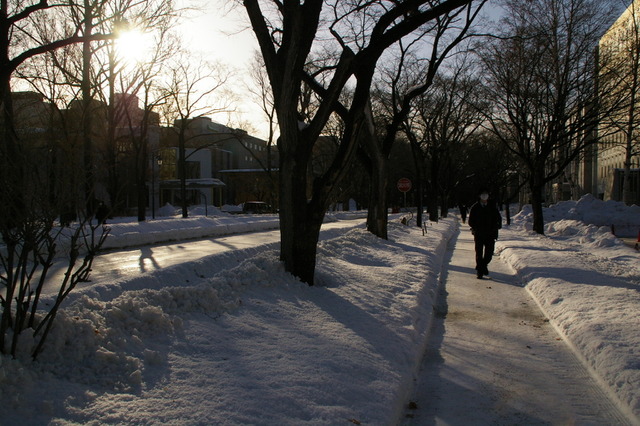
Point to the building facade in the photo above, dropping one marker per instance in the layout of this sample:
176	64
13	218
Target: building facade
619	88
240	167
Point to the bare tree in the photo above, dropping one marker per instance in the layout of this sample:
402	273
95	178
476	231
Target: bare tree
440	127
540	75
99	15
410	77
435	42
287	33
19	42
188	91
138	129
92	73
26	222
45	77
261	92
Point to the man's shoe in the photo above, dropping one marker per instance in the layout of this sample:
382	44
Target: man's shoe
486	271
479	275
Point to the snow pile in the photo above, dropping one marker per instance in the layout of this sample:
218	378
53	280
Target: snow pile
106	342
590	210
596	236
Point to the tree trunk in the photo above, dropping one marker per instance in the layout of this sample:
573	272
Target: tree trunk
419	201
626	182
87	113
9	206
141	177
12	167
432	206
507	213
182	171
444	210
300	221
630	133
537	200
378	172
433	193
305	245
418	163
378	198
301	215
444	205
631	124
112	146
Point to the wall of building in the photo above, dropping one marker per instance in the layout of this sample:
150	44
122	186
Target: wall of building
617	49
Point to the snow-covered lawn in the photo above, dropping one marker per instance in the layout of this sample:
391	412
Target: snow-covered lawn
252	345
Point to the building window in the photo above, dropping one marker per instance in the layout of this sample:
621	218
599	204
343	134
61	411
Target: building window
192	170
169	169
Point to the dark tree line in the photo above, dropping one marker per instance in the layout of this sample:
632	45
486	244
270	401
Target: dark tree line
51	46
26	218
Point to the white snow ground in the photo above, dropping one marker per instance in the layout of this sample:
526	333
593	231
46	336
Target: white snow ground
232	339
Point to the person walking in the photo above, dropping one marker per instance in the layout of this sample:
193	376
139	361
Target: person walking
485	221
463	213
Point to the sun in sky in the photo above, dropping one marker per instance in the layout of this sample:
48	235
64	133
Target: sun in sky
134	46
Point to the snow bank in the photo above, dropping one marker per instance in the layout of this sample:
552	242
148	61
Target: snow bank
590	210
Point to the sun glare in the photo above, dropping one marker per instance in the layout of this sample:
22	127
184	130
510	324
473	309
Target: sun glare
134	46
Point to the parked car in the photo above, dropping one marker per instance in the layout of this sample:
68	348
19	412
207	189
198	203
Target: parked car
256	207
231	209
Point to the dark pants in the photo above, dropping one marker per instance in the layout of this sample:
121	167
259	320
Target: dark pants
484	252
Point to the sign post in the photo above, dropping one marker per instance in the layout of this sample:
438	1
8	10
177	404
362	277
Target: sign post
404	186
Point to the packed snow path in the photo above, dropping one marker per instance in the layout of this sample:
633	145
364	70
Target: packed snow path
493	358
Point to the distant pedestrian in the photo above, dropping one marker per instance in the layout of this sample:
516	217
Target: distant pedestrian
463	213
102	212
485	221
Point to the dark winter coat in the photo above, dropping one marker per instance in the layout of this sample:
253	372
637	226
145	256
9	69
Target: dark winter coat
485	221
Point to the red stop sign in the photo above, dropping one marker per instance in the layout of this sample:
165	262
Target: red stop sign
404	185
